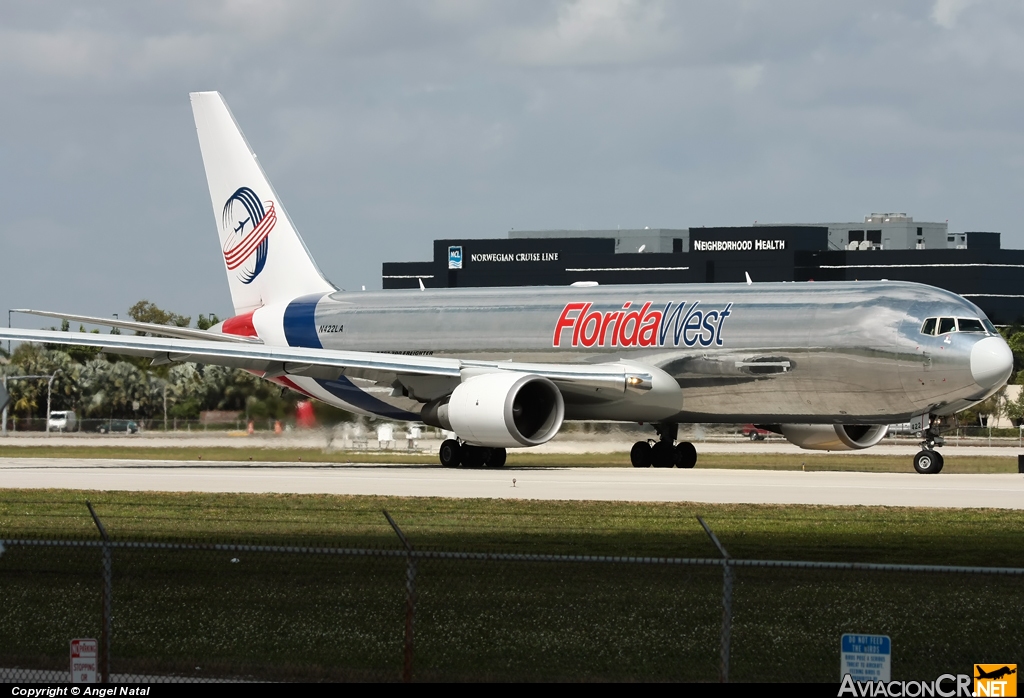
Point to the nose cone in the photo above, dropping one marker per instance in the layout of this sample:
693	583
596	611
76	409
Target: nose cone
991	362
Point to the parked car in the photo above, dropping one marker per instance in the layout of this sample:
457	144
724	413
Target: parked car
754	433
112	425
62	420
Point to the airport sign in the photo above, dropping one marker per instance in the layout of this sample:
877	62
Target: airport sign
84	660
865	657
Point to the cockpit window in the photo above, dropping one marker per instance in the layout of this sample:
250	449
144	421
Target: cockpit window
945	325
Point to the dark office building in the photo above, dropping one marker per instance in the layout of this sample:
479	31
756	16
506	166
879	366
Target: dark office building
885	246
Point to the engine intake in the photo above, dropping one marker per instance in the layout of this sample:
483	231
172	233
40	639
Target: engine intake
501	410
834	437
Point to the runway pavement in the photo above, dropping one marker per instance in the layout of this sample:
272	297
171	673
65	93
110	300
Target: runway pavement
609	484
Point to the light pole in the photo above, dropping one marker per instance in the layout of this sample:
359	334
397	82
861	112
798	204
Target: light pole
49	390
9	327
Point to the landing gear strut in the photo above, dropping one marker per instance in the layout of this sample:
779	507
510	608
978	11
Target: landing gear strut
453	454
928	461
663	453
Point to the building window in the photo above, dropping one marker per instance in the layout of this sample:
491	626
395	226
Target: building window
856	236
875	236
920	232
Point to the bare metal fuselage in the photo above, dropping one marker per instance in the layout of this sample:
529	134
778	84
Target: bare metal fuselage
833	352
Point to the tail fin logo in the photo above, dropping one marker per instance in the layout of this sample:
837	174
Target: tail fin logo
246	223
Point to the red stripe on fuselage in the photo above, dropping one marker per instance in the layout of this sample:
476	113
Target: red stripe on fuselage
289	383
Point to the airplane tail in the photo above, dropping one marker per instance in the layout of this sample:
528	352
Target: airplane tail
264	257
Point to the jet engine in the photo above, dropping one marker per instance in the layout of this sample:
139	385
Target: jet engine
834	437
501	410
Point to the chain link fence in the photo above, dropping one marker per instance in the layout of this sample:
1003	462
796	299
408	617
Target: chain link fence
180	611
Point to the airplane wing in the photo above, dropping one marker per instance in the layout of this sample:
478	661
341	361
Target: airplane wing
152	328
604	381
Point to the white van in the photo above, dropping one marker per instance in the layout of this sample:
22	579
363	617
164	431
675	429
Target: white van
62	420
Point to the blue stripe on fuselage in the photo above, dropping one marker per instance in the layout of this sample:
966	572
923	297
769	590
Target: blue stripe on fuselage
300	331
345	390
300	322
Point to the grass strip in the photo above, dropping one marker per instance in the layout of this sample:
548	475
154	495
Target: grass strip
859	534
865	462
269	616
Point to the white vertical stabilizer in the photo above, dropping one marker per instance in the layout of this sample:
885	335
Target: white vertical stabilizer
265	259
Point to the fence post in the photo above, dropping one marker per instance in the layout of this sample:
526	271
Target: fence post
108	598
723	675
410	598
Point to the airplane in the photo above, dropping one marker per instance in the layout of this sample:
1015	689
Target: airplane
826	364
995	674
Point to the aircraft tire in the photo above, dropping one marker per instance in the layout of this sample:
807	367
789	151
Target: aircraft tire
450	453
473	456
497	458
640	455
686	454
928	462
663	455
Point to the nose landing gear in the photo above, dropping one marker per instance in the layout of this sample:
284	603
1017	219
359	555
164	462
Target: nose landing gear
664	453
928	461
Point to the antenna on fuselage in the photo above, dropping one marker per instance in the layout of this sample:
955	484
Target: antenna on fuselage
749	282
422	287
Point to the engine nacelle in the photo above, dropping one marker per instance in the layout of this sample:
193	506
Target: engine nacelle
834	437
503	410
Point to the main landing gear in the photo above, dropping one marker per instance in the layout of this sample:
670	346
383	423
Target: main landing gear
453	454
928	461
662	453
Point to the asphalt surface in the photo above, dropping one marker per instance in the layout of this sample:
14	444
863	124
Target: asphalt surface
608	484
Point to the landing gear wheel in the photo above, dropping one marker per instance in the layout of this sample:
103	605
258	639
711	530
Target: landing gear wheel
450	453
640	455
497	458
663	454
473	456
686	454
928	462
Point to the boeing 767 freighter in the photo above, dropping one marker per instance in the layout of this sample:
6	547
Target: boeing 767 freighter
827	364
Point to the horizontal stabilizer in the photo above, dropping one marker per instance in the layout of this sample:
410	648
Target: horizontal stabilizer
148	327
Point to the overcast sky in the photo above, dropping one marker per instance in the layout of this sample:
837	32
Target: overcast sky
385	125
